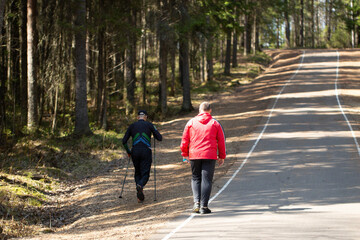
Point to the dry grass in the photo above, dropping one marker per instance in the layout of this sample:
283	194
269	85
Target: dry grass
91	208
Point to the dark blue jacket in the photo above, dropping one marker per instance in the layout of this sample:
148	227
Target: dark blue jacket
140	132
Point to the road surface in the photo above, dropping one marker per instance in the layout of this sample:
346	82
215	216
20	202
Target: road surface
300	176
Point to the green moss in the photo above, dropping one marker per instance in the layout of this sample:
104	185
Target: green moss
22	191
34	202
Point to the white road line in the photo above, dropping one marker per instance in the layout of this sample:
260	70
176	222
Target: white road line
248	155
339	103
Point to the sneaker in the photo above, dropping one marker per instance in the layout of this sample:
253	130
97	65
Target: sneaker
140	194
205	210
196	208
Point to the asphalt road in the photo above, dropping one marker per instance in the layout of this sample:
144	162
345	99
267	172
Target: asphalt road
300	176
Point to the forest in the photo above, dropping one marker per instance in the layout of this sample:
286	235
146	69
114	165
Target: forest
66	66
73	74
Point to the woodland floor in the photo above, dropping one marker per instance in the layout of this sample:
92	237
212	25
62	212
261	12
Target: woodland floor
94	208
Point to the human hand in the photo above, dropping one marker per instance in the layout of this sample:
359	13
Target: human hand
220	161
186	159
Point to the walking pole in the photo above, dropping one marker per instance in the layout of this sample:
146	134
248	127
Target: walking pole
154	172
127	167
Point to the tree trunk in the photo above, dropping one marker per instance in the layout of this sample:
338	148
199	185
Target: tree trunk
326	12
100	73
69	76
14	59
90	68
119	74
53	127
254	32
134	49
101	80
173	68
185	74
163	30
2	8
202	59
296	29
222	55
41	103
257	40
302	23
234	49
184	61
67	84
23	63
193	62
90	59
317	26
143	76
81	109
277	33
209	55
163	53
209	59
247	37
105	95
103	122
217	49
312	24
228	53
143	55
31	28
129	89
329	25
352	16
2	88
130	68
287	25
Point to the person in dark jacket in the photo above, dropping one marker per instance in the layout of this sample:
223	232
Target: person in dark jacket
203	143
140	152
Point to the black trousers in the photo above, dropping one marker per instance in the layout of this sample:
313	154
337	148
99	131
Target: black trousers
202	176
142	159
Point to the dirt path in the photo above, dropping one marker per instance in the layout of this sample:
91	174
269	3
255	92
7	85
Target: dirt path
101	214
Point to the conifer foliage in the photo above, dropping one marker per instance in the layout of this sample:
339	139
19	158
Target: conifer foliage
70	64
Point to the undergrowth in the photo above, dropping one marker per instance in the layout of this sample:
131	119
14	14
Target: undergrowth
35	169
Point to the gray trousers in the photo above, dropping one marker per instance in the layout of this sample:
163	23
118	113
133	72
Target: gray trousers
202	176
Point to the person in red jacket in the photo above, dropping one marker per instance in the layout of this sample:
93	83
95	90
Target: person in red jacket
202	144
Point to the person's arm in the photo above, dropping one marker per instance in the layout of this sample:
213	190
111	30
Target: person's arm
125	139
184	146
221	142
156	133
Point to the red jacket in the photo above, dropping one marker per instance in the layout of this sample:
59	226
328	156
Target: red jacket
202	138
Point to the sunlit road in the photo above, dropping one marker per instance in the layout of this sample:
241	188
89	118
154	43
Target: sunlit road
301	179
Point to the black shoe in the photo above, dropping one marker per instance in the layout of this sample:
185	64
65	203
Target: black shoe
140	194
205	210
196	208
